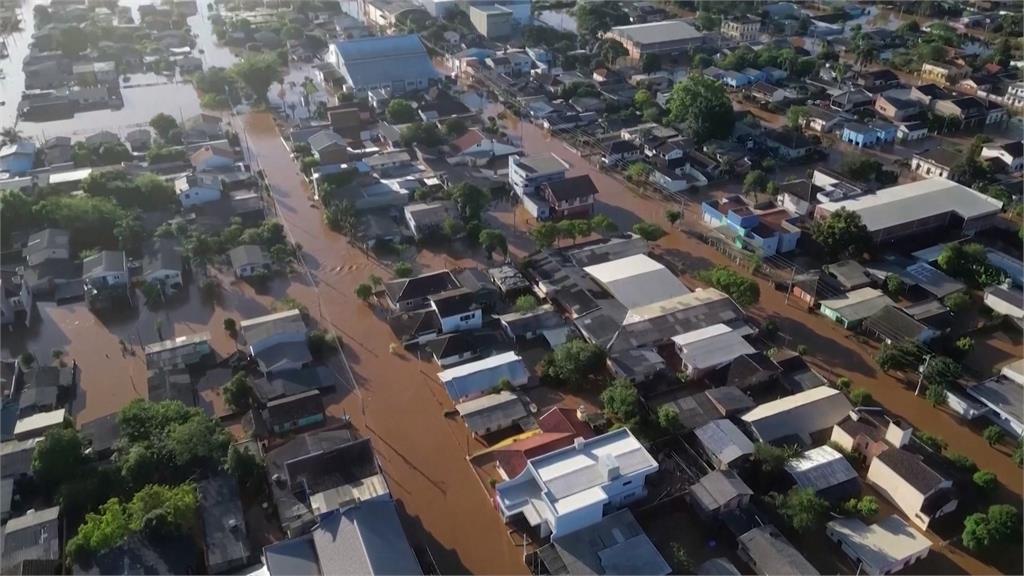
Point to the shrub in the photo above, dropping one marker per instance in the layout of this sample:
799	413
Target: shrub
403	270
860	397
985	480
843	383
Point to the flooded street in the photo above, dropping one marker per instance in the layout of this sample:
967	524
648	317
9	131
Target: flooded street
399	403
145	95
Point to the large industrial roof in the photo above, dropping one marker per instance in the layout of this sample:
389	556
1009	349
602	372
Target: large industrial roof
637	280
657	32
915	201
384	59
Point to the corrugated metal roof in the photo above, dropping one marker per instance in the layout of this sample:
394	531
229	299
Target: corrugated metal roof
382	60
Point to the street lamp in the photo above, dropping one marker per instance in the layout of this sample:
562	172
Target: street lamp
920	378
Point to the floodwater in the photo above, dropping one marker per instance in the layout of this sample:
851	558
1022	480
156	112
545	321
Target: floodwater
144	96
398	402
832	349
562	20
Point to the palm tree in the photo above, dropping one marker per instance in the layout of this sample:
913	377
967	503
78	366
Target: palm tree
10	135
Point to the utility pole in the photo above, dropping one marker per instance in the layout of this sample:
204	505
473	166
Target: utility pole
920	377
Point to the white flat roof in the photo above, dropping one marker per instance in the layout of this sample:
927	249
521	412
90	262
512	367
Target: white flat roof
39	421
657	32
474	367
787	403
637	280
711	346
573	478
915	201
882	544
683	302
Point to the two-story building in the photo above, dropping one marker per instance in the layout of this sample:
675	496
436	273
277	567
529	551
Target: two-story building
527	174
967	113
935	162
457	310
1009	156
570	197
574	487
942	74
106	276
741	28
895	108
767	233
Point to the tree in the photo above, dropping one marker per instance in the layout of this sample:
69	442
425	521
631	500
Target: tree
795	116
984	532
964	345
942	371
573	362
936	394
673	216
526	303
1018	455
544	234
58	458
668	419
648	231
860	396
642	99
621	402
744	291
969	262
593	18
455	127
894	285
364	292
257	72
771	459
401	112
842	233
471	200
163	124
801	507
245	467
930	441
993	435
491	240
898	356
403	270
843	383
452	228
602	224
101	531
681	563
703	105
423	134
637	172
72	41
866	507
611	50
985	481
168	442
755	181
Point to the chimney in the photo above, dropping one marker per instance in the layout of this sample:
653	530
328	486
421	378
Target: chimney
609	466
898	433
578	443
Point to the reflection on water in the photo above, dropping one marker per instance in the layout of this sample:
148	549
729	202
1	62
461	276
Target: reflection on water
558	19
144	96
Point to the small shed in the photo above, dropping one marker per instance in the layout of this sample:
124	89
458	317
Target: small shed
827	472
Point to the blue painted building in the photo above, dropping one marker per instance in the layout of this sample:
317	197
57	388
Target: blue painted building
868	135
766	233
17	158
736	79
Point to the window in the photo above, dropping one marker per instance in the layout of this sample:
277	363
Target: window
466	317
627	483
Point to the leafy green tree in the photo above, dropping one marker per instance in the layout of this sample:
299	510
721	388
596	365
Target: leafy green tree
401	112
703	105
642	99
602	224
1018	455
942	371
795	116
743	290
238	392
668	419
637	172
168	442
894	285
681	563
567	231
898	356
611	50
957	302
930	441
58	458
247	469
936	394
673	216
860	396
403	270
526	303
163	124
491	240
650	63
993	435
621	402
772	459
453	228
424	134
594	18
969	262
257	72
573	362
364	291
986	481
843	383
545	234
985	532
964	345
648	231
866	507
101	531
802	508
754	182
455	127
471	200
842	233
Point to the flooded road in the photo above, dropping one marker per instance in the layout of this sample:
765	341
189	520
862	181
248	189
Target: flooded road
145	95
398	402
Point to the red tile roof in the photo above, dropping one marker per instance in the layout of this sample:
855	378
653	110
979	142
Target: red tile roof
560	428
